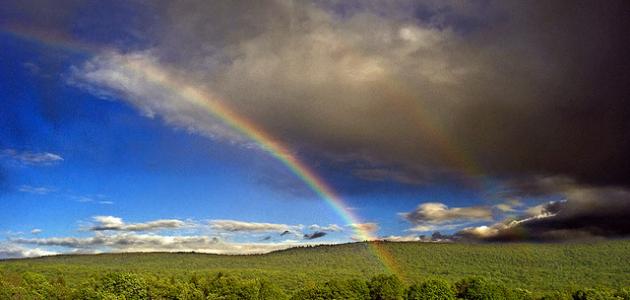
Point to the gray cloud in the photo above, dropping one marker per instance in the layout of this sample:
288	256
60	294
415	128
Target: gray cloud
505	86
584	213
236	226
314	235
329	228
379	174
111	223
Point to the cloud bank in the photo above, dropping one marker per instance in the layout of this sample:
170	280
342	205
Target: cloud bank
112	234
425	89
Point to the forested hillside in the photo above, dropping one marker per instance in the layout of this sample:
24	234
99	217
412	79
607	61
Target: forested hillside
538	268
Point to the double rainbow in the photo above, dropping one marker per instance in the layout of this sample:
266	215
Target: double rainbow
214	106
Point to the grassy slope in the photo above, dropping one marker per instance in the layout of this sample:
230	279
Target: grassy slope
537	267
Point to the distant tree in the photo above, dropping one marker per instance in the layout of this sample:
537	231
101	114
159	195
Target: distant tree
128	285
518	294
593	294
334	289
386	287
480	289
38	285
267	290
434	289
557	295
229	287
623	293
359	288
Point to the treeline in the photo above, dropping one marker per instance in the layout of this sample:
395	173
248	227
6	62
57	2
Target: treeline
131	286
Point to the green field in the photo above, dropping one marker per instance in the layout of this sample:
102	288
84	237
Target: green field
536	267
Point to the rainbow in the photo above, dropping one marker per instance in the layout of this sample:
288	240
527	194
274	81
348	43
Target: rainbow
220	110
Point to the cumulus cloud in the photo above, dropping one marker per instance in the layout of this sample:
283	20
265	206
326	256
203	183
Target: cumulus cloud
111	223
435	227
31	158
433	213
583	213
38	190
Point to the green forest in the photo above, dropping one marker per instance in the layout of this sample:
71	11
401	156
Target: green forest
596	270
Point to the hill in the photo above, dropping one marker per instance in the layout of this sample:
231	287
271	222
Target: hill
537	267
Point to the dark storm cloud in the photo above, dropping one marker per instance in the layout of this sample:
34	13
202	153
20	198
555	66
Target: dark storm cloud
518	89
314	235
585	213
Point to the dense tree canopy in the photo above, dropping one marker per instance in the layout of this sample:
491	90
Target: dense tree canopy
129	285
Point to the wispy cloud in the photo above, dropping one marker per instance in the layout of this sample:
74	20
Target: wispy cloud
365	227
38	190
31	158
36	231
236	226
329	228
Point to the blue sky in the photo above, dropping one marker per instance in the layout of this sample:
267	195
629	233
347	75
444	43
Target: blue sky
375	99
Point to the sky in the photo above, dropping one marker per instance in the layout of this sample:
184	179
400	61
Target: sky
245	127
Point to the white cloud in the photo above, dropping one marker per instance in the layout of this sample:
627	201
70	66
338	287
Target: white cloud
365	227
31	158
38	190
404	238
10	250
435	227
131	242
112	223
505	207
139	79
36	231
439	213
